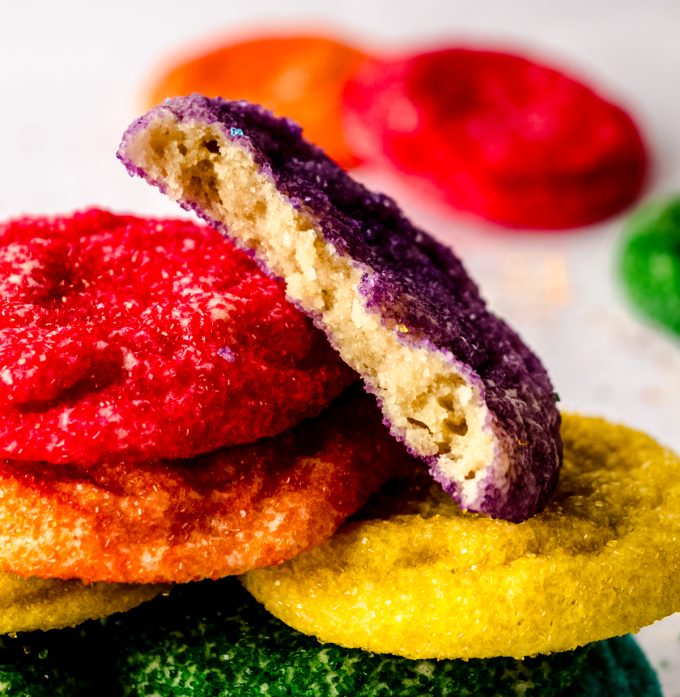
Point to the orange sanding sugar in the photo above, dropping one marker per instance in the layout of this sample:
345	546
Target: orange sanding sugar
218	514
146	339
27	604
418	578
301	77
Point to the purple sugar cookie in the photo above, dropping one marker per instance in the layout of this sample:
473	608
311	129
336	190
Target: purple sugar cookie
455	383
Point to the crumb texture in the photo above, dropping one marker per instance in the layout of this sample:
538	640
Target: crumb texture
454	381
418	578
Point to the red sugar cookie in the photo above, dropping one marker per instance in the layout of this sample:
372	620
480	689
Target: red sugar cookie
498	135
299	76
218	514
146	339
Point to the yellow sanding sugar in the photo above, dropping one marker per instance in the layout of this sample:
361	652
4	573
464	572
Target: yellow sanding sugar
35	603
418	578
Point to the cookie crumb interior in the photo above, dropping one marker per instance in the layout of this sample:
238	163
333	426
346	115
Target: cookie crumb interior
430	404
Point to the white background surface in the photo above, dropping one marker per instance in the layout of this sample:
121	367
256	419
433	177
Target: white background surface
72	75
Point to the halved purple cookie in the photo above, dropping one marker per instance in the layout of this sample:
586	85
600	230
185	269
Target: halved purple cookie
455	383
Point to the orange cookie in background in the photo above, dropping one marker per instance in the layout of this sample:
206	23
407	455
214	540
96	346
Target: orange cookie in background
214	515
301	77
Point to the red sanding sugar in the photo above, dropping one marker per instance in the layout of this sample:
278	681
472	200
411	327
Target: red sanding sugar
498	135
146	338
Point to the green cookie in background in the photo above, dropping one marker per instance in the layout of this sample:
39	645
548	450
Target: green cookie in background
649	261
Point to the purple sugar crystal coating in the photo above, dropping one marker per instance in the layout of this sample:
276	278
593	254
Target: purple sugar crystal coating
412	281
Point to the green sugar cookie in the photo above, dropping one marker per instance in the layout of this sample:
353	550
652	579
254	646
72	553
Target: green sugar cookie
59	663
37	603
417	577
650	261
212	639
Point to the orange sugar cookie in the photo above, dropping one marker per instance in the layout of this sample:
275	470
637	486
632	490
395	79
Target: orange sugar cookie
211	516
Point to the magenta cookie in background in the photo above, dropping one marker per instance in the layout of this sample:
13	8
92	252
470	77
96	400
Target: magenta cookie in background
455	382
498	135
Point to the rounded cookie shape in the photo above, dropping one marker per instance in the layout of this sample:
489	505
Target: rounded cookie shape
298	76
455	383
214	515
497	134
214	639
27	604
418	578
650	261
146	338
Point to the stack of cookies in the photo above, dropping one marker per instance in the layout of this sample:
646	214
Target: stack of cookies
444	534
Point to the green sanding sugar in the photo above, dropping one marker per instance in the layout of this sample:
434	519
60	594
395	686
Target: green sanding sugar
48	664
650	261
212	639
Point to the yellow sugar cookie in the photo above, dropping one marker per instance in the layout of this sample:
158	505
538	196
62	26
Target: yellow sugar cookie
37	603
419	578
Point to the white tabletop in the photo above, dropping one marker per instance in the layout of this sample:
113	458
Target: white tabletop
72	75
